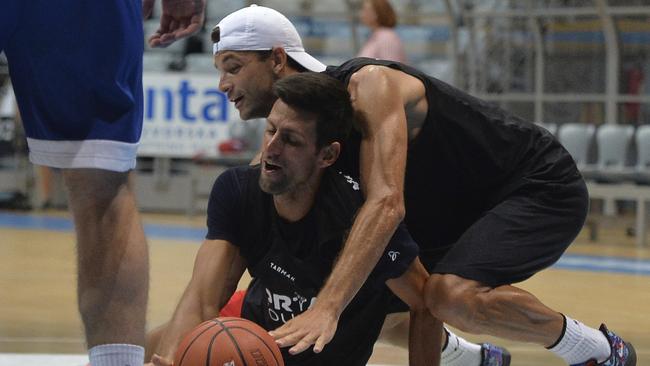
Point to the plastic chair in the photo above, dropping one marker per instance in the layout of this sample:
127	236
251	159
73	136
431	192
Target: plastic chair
577	139
642	167
550	127
613	145
156	61
200	63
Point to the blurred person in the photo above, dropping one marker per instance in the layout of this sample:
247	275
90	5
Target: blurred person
489	198
76	68
285	221
634	85
384	43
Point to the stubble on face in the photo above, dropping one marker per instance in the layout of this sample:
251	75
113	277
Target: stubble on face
289	165
250	82
259	101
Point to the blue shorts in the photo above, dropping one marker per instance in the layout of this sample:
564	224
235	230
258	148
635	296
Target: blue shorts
76	69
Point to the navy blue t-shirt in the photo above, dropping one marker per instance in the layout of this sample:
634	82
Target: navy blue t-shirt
289	262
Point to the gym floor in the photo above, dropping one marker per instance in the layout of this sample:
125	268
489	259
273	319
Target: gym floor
603	281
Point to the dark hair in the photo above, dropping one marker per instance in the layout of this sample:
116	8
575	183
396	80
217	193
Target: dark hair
323	96
265	54
385	14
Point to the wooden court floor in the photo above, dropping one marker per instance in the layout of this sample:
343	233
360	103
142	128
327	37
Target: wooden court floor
607	280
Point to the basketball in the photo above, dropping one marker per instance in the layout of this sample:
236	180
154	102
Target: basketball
228	341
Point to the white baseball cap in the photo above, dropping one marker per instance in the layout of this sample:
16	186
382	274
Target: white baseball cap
258	28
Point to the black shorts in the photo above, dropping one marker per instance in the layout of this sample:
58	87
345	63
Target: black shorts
520	236
523	234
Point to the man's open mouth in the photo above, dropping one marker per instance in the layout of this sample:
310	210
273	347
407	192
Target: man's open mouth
271	167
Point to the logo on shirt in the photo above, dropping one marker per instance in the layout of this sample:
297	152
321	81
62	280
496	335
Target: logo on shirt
350	180
393	255
231	363
283	272
282	308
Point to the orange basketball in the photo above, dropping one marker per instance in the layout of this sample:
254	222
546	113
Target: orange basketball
228	342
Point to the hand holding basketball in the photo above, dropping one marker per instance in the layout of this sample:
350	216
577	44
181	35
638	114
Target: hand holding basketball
227	341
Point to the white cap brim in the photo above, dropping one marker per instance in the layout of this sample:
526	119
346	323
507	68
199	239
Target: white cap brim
307	60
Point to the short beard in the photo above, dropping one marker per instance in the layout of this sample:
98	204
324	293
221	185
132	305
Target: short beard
274	188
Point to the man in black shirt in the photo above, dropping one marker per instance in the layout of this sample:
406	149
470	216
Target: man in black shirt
286	221
489	198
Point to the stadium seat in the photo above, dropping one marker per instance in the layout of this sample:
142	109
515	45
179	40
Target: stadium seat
550	127
642	167
200	63
156	61
613	146
577	139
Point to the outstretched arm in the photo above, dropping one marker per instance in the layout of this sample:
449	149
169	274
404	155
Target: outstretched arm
379	107
217	270
179	19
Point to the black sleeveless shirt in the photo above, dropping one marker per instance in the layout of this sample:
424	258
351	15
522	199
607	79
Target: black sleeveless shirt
468	156
289	262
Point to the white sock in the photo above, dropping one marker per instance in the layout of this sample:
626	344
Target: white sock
459	352
116	355
580	343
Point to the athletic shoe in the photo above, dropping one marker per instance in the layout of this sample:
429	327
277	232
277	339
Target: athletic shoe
492	355
623	354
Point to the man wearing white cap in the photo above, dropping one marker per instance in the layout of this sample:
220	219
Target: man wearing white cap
247	49
489	198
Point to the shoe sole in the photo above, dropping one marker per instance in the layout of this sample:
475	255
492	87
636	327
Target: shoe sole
631	356
506	358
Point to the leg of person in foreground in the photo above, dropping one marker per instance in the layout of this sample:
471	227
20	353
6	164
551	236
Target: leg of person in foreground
456	351
512	313
113	266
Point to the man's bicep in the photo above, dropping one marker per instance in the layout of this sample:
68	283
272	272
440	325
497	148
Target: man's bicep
381	117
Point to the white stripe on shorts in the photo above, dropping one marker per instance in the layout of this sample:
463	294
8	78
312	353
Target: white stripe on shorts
99	154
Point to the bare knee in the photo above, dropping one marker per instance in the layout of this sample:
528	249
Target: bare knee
460	302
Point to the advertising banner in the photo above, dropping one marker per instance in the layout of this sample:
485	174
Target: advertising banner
185	115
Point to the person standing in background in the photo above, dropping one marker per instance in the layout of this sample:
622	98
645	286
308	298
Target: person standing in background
76	69
383	43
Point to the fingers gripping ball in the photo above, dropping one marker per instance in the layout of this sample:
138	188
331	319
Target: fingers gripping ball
228	342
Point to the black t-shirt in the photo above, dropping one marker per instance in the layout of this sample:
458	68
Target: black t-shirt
289	262
468	156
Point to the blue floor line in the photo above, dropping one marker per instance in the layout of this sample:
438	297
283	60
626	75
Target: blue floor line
577	262
61	224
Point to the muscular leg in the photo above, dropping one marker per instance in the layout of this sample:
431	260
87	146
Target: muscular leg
504	311
455	349
113	267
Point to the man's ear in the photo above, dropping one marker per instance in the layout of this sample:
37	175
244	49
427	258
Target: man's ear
279	59
330	153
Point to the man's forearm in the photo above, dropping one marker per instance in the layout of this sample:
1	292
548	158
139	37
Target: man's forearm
373	227
187	316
